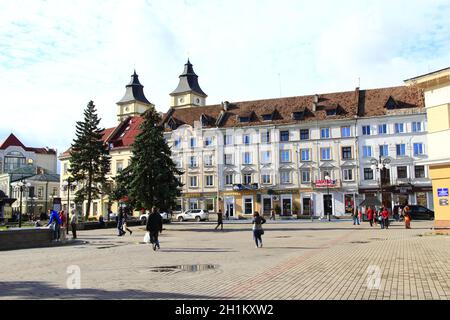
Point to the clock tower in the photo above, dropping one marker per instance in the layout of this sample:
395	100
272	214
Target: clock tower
134	102
188	93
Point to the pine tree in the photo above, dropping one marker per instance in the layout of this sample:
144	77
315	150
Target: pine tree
152	175
89	159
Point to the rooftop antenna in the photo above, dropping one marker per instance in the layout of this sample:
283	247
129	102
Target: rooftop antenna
359	82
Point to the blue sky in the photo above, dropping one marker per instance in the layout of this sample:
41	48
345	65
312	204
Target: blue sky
55	56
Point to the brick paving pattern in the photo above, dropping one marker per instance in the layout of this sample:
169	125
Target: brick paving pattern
299	260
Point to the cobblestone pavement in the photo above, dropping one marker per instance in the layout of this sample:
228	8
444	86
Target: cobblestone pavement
300	260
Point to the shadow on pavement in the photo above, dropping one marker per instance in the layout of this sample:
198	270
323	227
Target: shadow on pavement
42	290
249	229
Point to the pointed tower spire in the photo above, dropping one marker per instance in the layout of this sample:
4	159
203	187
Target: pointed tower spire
188	82
134	91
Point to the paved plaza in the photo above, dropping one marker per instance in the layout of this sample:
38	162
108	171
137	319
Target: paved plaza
299	260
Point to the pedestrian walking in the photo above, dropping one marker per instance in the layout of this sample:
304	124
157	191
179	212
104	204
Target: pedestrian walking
355	218
360	215
62	217
125	220
407	216
385	218
370	215
154	226
227	215
55	224
272	215
219	220
73	224
119	220
258	230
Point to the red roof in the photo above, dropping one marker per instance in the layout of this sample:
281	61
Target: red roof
13	141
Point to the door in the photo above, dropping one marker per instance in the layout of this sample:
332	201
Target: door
328	204
267	205
286	206
229	206
307	206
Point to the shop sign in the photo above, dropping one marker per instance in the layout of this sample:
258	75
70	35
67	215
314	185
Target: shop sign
239	187
442	192
326	183
443	202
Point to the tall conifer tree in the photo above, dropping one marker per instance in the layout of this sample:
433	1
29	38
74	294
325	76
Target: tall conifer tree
89	158
152	172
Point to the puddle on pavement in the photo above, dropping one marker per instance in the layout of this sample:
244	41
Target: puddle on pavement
282	237
185	267
360	242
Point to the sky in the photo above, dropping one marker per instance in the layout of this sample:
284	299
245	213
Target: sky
57	55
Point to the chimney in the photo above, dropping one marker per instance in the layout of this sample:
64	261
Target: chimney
225	105
315	102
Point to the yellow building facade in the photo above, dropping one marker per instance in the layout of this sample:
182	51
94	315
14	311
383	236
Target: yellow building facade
436	87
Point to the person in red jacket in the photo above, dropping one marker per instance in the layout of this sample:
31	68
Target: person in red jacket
385	218
370	215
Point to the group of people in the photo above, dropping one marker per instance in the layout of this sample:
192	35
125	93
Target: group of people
59	220
382	216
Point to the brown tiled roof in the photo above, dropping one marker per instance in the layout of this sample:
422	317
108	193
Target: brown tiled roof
364	103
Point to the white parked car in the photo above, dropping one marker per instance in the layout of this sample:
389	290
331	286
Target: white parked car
167	217
193	214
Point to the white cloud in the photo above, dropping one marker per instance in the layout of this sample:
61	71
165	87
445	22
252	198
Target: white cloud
55	56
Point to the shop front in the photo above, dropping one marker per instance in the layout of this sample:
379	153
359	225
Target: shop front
205	200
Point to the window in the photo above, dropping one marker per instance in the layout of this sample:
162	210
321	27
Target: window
267	117
228	159
119	166
244	119
347	174
399	128
367	151
246	139
209	181
284	135
13	161
402	172
382	129
345	132
208	160
368	174
40	194
177	143
265	137
304	134
384	150
193	181
177	162
247	178
419	171
366	130
305	154
228	179
64	168
265	157
193	204
193	162
227	140
306	177
193	142
325	133
248	205
285	156
325	153
247	158
417	126
401	150
208	141
346	153
418	149
285	177
266	178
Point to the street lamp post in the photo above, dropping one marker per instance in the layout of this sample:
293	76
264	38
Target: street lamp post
21	186
379	165
68	183
327	179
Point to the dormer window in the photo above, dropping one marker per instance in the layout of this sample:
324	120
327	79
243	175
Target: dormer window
298	115
244	119
391	103
331	112
267	117
245	116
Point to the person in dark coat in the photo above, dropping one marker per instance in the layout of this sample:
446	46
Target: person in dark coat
219	220
119	220
154	226
258	231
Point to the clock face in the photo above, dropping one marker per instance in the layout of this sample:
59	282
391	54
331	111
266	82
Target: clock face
181	100
126	109
197	100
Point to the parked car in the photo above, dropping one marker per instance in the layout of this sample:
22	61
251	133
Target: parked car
418	212
167	217
193	214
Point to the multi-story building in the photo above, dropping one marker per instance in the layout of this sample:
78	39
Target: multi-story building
34	166
298	155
